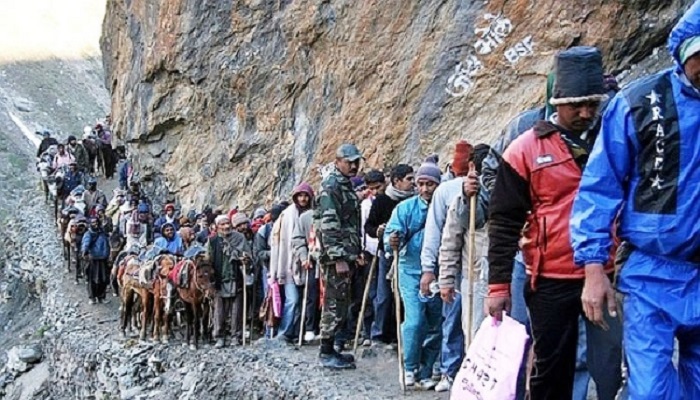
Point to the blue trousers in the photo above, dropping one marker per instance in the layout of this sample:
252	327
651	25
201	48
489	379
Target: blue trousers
661	303
518	311
421	329
453	327
291	312
384	323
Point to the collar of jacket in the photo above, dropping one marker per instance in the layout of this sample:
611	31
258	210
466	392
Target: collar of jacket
545	128
342	179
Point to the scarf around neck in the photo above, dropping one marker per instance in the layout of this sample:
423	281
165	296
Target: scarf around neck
399	195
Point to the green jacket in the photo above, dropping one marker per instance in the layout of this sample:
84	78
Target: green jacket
337	219
81	156
227	267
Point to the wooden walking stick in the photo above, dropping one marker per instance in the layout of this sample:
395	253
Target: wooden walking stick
302	322
245	301
365	294
470	270
397	301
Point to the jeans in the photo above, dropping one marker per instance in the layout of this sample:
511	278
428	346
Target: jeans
518	311
291	311
581	376
421	329
660	304
555	308
384	324
452	337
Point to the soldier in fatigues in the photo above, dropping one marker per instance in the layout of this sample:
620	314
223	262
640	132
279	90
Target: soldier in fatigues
337	225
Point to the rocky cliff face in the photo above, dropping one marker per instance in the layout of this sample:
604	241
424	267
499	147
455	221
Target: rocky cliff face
232	102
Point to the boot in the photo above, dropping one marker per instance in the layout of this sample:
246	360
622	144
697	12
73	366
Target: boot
345	357
331	359
332	362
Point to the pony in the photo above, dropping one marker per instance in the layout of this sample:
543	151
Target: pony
194	279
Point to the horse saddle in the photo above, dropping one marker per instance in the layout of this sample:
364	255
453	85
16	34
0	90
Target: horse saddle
180	275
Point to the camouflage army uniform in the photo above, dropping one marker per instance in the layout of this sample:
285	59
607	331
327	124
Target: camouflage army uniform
337	225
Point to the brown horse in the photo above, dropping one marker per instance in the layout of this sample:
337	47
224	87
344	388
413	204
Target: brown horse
130	293
195	293
163	264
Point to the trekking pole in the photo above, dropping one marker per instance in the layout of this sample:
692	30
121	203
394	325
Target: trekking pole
397	301
365	294
302	322
470	268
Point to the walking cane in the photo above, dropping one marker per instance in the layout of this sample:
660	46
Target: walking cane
470	270
365	294
397	301
302	322
245	301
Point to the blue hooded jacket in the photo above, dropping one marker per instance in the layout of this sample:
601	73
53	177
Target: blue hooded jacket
650	176
173	246
408	221
95	243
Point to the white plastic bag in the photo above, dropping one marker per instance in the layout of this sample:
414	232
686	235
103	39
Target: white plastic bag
490	368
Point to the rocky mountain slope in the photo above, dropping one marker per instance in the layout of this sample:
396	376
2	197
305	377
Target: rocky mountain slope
232	102
50	66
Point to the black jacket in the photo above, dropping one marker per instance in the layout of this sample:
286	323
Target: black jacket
45	144
382	206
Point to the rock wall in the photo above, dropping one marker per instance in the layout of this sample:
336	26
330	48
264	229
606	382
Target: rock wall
232	102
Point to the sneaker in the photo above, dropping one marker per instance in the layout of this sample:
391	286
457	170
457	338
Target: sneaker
309	337
104	301
444	385
76	282
427	384
391	346
409	378
219	343
366	343
91	301
331	361
114	295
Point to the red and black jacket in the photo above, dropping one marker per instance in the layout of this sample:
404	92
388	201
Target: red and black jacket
531	204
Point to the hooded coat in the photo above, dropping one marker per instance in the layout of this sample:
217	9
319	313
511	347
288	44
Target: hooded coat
282	264
644	171
663	219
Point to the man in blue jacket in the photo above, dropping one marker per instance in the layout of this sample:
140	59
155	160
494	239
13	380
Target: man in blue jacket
644	170
170	240
95	248
421	327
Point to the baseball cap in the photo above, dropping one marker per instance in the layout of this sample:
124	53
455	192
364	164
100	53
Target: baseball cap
348	152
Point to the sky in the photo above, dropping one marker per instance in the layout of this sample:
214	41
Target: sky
39	29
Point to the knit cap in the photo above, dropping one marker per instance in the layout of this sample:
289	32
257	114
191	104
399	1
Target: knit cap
689	48
239	218
259	213
430	171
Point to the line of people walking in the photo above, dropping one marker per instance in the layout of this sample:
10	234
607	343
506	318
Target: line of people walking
592	192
